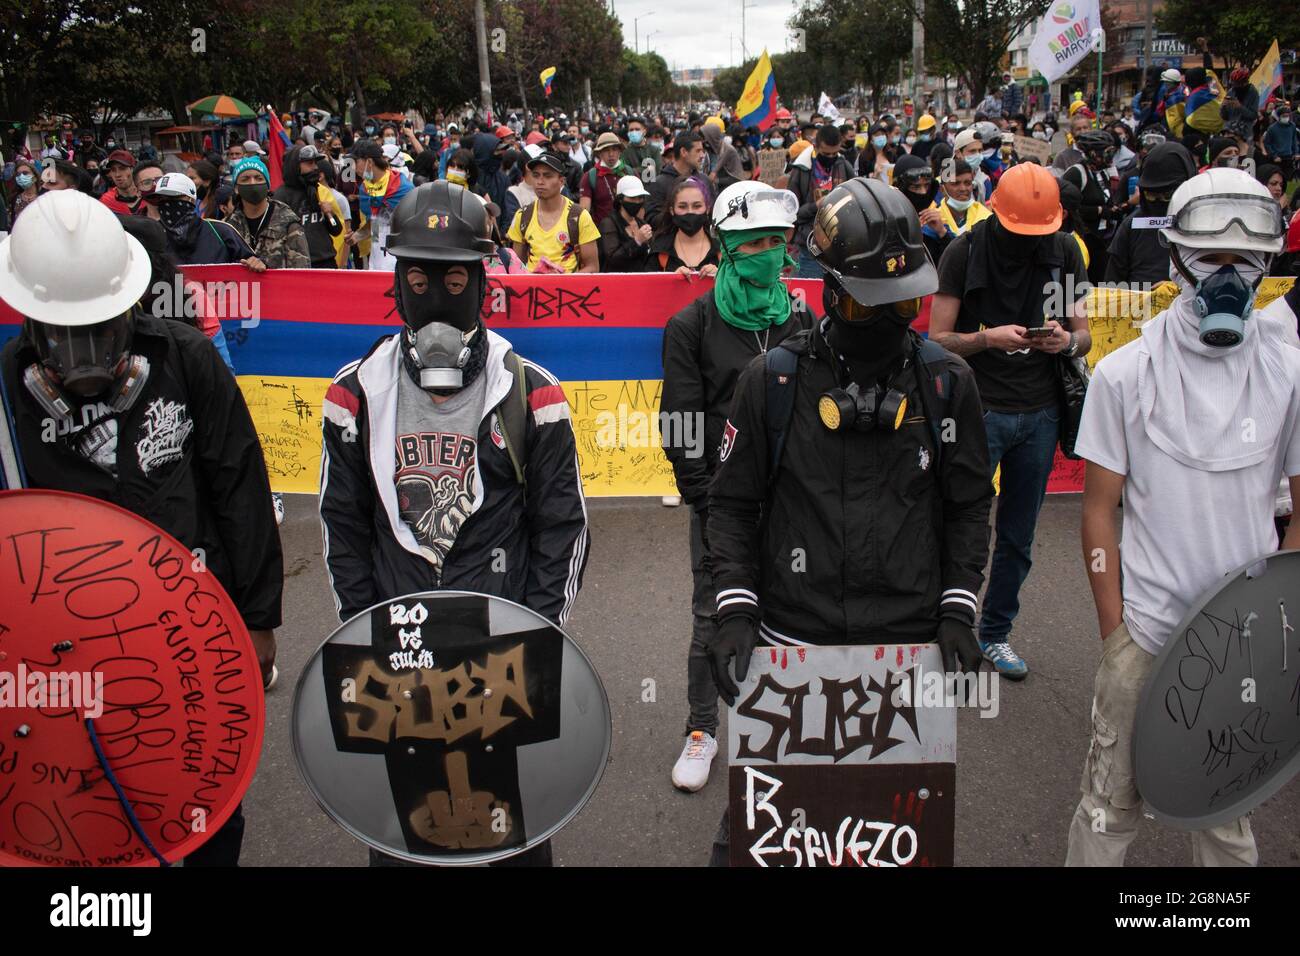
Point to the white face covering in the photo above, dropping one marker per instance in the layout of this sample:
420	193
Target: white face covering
1212	409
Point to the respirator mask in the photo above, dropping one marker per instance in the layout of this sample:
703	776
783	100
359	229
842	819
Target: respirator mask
863	409
443	344
1222	295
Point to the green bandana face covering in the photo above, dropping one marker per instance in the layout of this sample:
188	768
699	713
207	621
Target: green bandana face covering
748	290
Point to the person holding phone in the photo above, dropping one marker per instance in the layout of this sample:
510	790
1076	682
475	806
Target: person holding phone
997	285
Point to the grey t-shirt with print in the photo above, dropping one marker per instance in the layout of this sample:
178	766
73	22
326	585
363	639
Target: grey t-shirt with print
436	474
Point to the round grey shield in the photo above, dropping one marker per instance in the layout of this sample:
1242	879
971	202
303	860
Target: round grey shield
1218	723
450	728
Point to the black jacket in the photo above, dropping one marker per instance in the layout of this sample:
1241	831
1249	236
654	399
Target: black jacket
188	460
1136	255
209	242
619	252
703	357
524	543
659	191
320	225
862	537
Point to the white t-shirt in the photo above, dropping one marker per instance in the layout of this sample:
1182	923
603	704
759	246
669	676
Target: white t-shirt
1183	529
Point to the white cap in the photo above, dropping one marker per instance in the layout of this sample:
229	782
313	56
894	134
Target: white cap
69	262
754	205
252	148
175	185
965	138
533	150
630	186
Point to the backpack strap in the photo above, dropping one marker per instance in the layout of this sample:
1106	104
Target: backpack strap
512	417
574	223
781	364
526	220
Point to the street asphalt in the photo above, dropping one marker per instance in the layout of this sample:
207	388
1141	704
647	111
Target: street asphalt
1017	774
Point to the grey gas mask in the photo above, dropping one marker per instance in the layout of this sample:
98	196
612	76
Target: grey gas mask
440	352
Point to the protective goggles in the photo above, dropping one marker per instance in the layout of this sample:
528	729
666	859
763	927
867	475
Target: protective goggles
775	202
917	177
851	310
1256	216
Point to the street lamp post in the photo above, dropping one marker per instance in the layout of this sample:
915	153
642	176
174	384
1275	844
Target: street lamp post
636	43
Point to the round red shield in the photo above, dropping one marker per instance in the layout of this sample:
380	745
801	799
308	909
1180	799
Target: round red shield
114	633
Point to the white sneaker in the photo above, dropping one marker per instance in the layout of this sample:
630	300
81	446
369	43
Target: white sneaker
672	501
691	772
277	502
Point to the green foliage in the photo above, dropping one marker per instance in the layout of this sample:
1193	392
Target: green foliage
1239	32
969	40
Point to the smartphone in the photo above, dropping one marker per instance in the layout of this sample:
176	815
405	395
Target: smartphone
1039	333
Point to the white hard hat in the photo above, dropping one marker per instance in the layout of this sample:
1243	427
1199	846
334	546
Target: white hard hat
1227	209
1171	76
630	186
754	205
174	186
69	262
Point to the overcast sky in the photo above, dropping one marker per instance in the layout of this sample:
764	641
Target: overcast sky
695	33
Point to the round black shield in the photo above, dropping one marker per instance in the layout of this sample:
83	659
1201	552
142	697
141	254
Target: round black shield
450	728
1218	723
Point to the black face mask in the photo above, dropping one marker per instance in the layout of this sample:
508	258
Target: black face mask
437	303
253	193
690	222
201	190
176	214
871	346
312	178
920	201
633	209
1153	207
1013	245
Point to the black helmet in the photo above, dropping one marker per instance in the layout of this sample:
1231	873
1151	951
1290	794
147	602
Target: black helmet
1094	141
868	238
1166	167
440	221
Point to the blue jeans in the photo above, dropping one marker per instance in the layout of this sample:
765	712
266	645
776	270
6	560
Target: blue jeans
1025	444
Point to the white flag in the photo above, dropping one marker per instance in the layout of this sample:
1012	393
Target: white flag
828	110
1064	37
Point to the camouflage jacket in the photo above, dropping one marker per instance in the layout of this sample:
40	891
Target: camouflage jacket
281	242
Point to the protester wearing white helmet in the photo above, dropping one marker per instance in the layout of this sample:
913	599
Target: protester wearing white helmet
103	399
1193	424
706	346
624	233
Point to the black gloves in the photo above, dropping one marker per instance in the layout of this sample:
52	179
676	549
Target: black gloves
735	637
957	641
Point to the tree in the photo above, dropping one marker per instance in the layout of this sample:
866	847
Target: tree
1239	32
969	39
852	42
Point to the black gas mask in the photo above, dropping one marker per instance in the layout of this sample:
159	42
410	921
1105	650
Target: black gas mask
864	409
444	344
87	362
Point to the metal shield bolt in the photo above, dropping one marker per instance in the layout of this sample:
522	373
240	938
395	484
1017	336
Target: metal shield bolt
923	793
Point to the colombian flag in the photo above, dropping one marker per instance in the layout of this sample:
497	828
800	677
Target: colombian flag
548	74
277	141
1201	111
1268	75
757	104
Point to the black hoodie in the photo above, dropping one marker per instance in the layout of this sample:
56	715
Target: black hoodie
319	224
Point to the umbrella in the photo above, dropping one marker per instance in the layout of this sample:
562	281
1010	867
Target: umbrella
222	105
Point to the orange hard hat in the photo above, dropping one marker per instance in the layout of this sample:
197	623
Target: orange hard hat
783	113
1027	200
